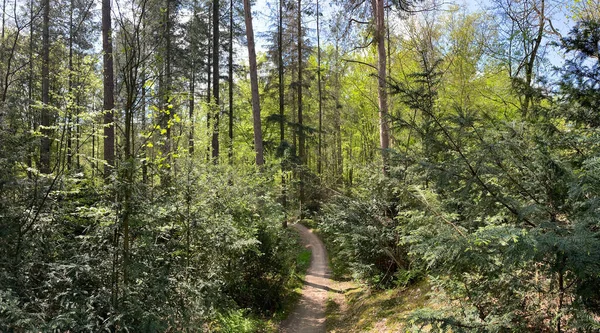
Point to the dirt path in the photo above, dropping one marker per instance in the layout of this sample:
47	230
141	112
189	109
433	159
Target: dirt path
309	315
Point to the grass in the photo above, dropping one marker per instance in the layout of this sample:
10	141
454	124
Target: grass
240	321
303	261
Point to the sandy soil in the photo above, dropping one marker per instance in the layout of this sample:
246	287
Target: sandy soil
309	315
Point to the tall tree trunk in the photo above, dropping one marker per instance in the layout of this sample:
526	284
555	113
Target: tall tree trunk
94	166
294	110
192	97
3	19
208	88
144	125
258	144
192	103
320	150
109	129
109	90
281	105
127	172
301	140
45	121
389	65
215	60
77	120
530	65
280	72
70	98
230	85
8	59
33	122
169	111
384	133
337	118
144	149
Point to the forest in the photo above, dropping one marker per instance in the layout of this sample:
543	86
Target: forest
157	156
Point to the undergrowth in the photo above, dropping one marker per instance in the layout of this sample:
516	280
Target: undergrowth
245	321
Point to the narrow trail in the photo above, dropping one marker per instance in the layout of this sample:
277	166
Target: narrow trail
309	315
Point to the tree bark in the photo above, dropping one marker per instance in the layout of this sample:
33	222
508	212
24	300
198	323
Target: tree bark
389	65
77	120
45	119
216	97
192	103
281	106
109	88
144	150
208	88
230	85
301	139
192	97
70	98
144	125
320	148
33	121
530	65
338	119
258	144
384	135
169	111
3	19
280	73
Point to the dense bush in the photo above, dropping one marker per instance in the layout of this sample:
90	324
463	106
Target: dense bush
361	233
208	244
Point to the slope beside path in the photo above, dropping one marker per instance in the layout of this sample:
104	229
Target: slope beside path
309	314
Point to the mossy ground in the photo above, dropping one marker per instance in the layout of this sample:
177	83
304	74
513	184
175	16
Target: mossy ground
356	308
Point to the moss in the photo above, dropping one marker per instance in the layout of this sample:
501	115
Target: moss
369	310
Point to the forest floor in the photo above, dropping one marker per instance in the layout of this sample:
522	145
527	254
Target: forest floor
362	309
309	314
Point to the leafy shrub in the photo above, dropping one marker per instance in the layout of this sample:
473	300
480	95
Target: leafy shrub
208	244
504	227
363	239
500	214
235	321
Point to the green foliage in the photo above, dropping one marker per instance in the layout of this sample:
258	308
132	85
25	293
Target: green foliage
303	260
498	211
265	274
205	246
361	235
501	225
234	322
